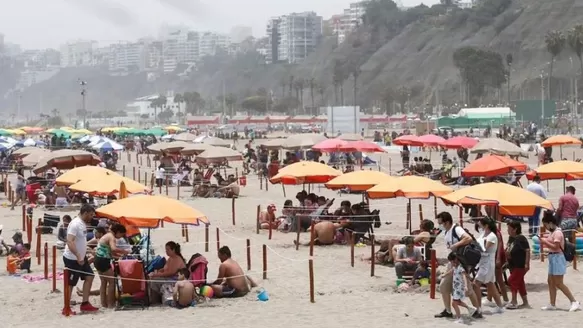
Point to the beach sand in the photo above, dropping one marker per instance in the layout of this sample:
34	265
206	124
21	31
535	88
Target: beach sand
344	295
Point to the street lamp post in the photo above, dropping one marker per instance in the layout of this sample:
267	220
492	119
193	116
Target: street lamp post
542	102
83	85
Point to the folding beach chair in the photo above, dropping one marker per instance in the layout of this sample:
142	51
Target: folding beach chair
133	292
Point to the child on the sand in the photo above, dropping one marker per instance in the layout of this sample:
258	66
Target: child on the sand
12	262
184	292
421	273
25	258
460	287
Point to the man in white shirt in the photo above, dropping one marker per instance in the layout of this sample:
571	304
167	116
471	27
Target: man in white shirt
453	241
75	255
534	221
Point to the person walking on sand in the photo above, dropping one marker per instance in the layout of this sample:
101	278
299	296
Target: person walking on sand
555	243
453	240
534	221
75	255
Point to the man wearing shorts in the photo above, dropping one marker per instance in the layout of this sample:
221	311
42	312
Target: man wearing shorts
75	255
231	281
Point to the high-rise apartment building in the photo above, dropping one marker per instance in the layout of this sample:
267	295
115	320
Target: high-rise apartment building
78	53
128	56
343	24
210	42
293	37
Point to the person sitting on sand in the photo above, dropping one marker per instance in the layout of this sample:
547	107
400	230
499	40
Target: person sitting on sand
421	237
324	234
231	190
267	217
12	262
25	258
408	257
231	280
163	289
184	292
2	243
62	201
422	272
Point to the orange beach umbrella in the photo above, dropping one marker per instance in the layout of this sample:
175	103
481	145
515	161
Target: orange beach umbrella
492	165
510	199
83	172
146	211
409	187
358	180
567	170
108	184
305	172
560	140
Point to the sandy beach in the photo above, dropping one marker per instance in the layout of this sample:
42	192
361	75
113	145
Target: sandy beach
344	295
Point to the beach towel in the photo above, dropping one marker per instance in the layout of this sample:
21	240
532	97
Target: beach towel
40	277
198	269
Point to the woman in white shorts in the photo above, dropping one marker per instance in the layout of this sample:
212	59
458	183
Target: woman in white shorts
486	274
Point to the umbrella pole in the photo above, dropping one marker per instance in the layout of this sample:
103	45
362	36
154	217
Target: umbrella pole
283	188
147	262
409	217
561	152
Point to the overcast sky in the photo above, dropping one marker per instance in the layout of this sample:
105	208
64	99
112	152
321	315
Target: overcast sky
49	23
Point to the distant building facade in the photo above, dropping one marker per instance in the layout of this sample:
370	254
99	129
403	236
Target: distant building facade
77	53
293	37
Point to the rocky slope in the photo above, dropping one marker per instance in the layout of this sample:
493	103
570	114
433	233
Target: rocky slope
419	54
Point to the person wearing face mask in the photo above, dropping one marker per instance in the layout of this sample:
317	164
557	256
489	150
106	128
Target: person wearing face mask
554	242
453	241
486	274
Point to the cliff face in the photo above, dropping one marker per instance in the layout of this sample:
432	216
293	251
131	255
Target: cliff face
418	54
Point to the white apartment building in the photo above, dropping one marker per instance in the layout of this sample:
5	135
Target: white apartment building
466	4
77	53
348	21
127	56
210	42
293	37
142	106
34	76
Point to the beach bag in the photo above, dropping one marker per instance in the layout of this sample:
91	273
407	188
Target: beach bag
470	254
156	264
569	251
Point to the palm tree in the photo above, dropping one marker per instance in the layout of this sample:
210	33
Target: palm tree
321	92
509	60
312	85
291	85
338	78
388	97
555	42
302	87
178	99
575	40
355	75
192	100
159	102
283	84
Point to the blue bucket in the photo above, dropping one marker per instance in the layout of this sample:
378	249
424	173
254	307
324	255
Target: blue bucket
262	295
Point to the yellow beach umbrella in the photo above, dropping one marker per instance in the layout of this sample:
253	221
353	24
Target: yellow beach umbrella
173	128
83	172
511	200
409	187
18	132
359	180
146	211
82	131
305	172
108	184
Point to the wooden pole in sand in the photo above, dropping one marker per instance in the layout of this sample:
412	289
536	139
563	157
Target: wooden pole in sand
258	213
134	173
435	206
182	230
46	256
146	179
311	273
420	213
540	245
218	240
372	256
312	239
54	268
124	170
248	254
67	295
408	224
29	230
574	236
461	217
38	240
186	232
166	185
23	217
233	209
298	227
352	250
433	274
264	261
260	183
206	238
266	183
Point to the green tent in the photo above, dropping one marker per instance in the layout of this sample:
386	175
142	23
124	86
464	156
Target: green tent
5	133
59	132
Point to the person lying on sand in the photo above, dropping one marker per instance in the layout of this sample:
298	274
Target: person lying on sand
324	234
231	280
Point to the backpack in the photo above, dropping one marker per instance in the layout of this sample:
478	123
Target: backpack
569	251
470	254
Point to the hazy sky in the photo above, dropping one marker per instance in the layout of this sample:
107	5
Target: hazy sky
48	23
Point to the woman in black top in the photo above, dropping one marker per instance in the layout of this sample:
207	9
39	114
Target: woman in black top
518	257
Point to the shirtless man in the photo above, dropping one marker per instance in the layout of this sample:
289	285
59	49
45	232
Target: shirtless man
231	281
324	234
184	292
267	217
